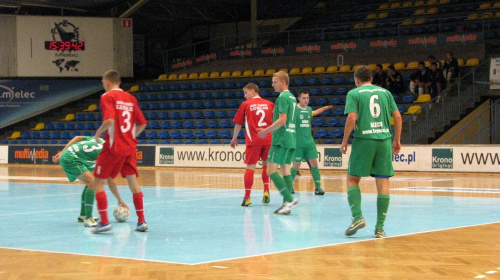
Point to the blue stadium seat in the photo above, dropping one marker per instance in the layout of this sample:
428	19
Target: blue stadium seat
265	93
215	142
165	125
175	105
231	114
60	126
332	122
200	124
74	134
186	115
197	115
173	96
187	134
240	84
164	87
188	124
322	101
212	124
141	142
228	95
86	133
206	95
153	142
142	135
52	142
142	97
162	96
221	114
326	81
165	142
206	85
80	117
195	86
321	133
233	104
225	124
226	142
175	134
312	101
329	141
25	135
217	95
153	125
23	142
175	87
326	113
189	142
338	112
55	135
402	109
220	104
396	97
142	106
163	116
154	106
342	91
65	135
198	105
327	91
241	134
339	81
342	122
209	114
151	134
350	80
43	142
34	142
165	106
186	86
229	85
176	124
239	94
175	115
218	85
336	133
154	88
199	134
51	126
318	122
209	104
202	142
143	88
35	135
337	100
408	98
211	134
194	95
313	81
301	82
315	91
152	97
225	134
264	84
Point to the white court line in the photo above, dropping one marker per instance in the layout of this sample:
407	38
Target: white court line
31	178
48	195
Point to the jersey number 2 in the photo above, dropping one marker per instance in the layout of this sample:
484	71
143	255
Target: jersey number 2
261	121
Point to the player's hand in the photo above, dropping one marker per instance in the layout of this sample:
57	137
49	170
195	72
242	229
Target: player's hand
343	147
234	143
262	133
98	138
329	106
55	159
122	203
396	148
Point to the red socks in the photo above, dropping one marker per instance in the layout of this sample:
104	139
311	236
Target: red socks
139	207
248	182
102	206
265	178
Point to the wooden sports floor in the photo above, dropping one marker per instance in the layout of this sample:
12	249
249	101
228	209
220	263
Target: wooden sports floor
462	252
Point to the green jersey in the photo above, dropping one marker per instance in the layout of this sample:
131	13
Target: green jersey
85	151
374	106
284	136
303	118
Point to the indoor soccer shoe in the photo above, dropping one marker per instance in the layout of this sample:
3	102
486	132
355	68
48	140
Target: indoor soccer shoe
141	227
82	219
101	228
292	191
246	202
379	233
355	225
266	198
319	191
90	222
287	207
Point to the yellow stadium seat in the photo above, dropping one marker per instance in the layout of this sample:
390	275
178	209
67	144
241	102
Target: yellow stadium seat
419	12
247	73
270	72
395	5
172	77
319	70
432	2
258	73
399	65
193	76
432	11
162	77
332	69
383	7
444	2
183	76
383	15
345	68
236	74
225	74
134	88
497	14
419	3
294	71
472	62
385	65
69	117
496	5
460	62
204	75
485	6
412	65
215	75
283	70
371	16
356	67
424	98
39	126
427	63
407	21
414	109
419	21
15	135
487	15
472	16
91	108
306	70
407	4
358	25
371	25
372	66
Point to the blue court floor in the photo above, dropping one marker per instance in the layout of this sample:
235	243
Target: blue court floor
193	226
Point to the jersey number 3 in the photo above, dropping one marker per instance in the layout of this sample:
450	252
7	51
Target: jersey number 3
127	125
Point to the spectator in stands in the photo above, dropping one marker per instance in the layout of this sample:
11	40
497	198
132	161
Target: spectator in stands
432	59
420	79
436	81
394	81
450	67
380	77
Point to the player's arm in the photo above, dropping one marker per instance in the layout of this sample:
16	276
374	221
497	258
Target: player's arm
281	121
114	189
234	141
321	110
398	126
75	139
139	129
349	127
107	123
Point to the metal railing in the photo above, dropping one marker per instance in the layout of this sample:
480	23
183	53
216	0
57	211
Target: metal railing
438	113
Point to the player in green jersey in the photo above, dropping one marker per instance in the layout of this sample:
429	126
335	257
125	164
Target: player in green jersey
369	109
284	141
78	161
306	147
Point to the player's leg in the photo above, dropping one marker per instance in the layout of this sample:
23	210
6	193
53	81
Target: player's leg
382	170
88	198
294	170
130	172
285	171
266	198
248	180
264	154
316	176
275	158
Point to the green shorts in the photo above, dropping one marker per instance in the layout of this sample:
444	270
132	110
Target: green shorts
305	153
73	167
371	158
280	155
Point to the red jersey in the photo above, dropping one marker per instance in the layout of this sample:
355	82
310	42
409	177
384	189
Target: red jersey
123	108
255	113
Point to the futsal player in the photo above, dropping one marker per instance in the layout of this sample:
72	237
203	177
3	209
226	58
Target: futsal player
255	113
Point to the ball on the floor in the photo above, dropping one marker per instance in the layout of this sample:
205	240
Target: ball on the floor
121	213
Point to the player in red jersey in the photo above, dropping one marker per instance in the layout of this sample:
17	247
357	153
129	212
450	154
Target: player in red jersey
255	113
123	121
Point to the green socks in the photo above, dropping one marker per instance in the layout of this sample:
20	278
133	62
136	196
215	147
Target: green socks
281	185
354	199
89	202
289	183
316	177
382	207
82	203
293	173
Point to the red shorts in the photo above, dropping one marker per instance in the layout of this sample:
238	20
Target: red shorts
109	165
254	153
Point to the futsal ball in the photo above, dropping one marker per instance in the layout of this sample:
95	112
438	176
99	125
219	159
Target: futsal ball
121	213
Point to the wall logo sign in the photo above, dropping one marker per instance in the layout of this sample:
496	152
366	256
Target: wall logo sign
66	45
166	155
442	158
333	157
